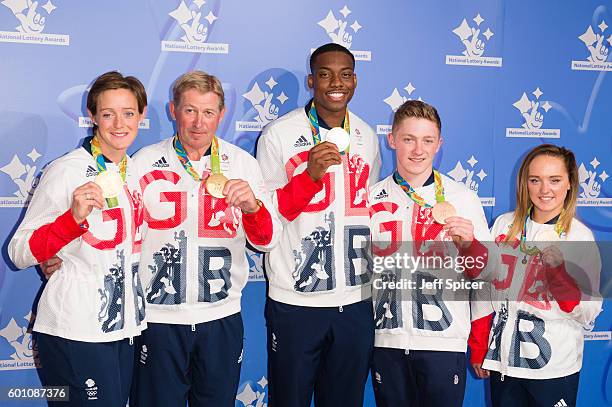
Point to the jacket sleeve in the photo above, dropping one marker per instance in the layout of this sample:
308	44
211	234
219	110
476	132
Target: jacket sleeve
262	228
481	309
289	197
48	225
376	164
575	283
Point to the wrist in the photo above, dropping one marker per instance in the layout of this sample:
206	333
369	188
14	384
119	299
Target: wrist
258	205
312	177
78	220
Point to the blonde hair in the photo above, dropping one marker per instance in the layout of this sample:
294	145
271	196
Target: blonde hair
523	202
202	82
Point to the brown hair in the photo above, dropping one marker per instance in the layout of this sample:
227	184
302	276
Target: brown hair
202	82
114	80
523	202
418	110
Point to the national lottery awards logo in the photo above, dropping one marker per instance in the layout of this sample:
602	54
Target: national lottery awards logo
193	28
591	177
253	394
597	47
394	101
22	172
533	111
21	353
474	42
341	32
265	99
465	173
32	20
255	260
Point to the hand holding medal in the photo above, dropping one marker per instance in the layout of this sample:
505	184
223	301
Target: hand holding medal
443	212
238	193
545	235
325	154
320	158
460	229
546	242
110	182
84	199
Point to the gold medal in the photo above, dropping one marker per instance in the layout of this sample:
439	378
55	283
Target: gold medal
110	182
215	184
443	210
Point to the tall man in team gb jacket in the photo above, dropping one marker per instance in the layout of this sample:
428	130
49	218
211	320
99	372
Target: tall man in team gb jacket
317	161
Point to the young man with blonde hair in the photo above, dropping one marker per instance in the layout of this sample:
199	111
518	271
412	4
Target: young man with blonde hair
422	329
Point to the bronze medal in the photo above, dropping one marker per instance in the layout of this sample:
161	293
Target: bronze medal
215	184
443	210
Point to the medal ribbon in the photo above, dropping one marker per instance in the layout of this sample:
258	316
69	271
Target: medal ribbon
96	152
313	121
533	250
215	165
399	180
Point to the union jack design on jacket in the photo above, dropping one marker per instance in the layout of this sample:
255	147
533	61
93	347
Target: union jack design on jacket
541	311
321	259
193	263
96	295
417	318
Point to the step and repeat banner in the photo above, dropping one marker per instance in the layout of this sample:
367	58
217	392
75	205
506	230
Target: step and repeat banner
504	75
